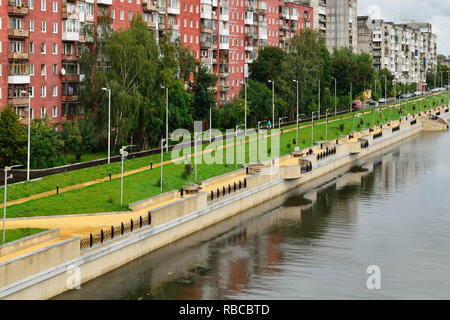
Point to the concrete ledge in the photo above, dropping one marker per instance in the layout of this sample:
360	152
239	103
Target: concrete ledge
29	241
36	261
166	196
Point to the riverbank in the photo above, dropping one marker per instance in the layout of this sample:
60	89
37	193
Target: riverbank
185	216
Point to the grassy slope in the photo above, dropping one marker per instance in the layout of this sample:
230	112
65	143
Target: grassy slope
14	234
145	184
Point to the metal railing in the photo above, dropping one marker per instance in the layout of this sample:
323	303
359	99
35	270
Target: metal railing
115	232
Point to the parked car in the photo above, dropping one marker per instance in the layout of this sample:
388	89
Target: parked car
356	106
373	103
382	100
418	93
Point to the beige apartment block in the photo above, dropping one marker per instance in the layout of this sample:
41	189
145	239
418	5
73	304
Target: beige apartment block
408	49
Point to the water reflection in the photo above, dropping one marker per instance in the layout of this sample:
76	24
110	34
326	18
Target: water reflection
313	242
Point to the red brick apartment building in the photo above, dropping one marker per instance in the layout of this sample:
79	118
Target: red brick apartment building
40	42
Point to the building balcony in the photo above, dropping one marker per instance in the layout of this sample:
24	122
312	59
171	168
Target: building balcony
70	78
18	101
223	74
18	33
71	98
206	30
173	10
205	15
224	88
224	46
69	57
70	36
21	10
19	79
149	6
151	24
205	44
18	55
105	2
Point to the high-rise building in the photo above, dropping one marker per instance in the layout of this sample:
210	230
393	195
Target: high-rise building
408	50
341	24
41	42
320	14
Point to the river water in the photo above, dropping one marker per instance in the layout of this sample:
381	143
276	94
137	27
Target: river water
391	210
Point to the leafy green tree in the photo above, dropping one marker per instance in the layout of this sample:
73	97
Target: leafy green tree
203	98
259	102
231	114
47	147
307	60
268	65
13	138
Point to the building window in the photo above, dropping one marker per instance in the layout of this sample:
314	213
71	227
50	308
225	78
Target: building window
43	26
43	91
55	91
31	4
55	69
130	15
31	47
55	112
113	14
43	49
43	69
55	27
55	48
31	69
121	14
43	5
55	6
43	112
31	24
31	92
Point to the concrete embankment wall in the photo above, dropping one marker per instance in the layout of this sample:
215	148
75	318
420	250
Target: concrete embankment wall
21	267
29	241
192	214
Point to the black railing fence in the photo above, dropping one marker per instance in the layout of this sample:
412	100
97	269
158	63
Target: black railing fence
115	231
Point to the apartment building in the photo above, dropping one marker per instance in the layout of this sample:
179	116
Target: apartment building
41	42
408	50
320	14
341	24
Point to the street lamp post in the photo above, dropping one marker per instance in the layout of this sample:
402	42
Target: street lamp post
257	139
236	142
109	123
279	123
385	92
6	169
296	134
29	134
312	128
123	156
245	105
273	101
167	118
326	124
162	163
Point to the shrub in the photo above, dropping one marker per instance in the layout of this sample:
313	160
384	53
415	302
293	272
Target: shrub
341	127
288	145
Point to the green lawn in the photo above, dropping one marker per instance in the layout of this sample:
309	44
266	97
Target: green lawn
14	234
145	184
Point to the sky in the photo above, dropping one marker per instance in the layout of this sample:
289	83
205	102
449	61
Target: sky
437	12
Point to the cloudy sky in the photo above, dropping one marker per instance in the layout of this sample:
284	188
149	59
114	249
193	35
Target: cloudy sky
436	12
